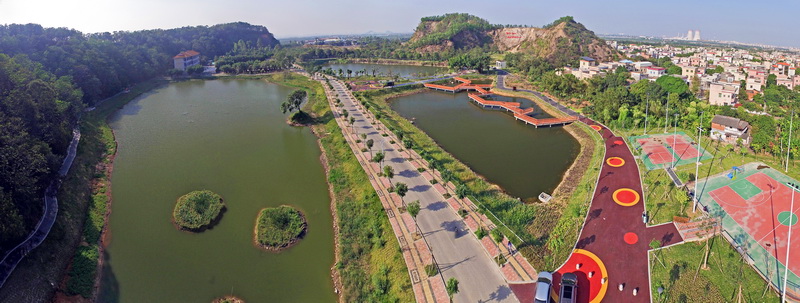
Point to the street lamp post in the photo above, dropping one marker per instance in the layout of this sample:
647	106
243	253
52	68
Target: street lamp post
674	140
666	114
794	188
646	108
696	198
788	150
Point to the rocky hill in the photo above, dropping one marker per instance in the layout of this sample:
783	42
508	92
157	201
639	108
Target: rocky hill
450	31
559	42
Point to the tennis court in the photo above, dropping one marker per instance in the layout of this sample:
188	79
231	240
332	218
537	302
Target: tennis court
754	205
664	150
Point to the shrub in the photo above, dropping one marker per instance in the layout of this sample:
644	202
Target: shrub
82	273
480	233
434	181
431	270
197	210
279	227
497	236
421	169
463	213
413	208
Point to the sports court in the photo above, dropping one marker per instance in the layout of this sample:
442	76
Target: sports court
754	203
664	150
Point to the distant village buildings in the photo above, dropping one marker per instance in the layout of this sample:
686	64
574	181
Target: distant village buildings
186	59
720	73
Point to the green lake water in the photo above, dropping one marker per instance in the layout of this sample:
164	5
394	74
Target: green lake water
521	159
230	137
404	71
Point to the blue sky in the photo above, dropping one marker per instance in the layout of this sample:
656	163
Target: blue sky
746	21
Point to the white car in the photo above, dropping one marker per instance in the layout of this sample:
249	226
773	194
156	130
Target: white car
543	283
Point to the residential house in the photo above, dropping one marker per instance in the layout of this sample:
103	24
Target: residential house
587	62
785	81
730	129
186	59
722	93
654	72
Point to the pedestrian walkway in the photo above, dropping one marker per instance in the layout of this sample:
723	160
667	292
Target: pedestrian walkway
438	235
49	213
611	255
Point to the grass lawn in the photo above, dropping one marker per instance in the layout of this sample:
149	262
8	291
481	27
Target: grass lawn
677	270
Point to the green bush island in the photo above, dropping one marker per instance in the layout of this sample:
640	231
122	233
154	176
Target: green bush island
279	227
197	210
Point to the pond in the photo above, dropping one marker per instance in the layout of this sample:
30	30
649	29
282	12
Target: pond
523	160
228	136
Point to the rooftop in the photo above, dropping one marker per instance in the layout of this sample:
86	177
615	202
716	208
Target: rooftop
730	122
186	54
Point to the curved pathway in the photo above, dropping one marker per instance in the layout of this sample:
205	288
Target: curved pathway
35	238
612	249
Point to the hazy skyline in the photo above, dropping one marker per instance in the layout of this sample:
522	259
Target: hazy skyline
751	22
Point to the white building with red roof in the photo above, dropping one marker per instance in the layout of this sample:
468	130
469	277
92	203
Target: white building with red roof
186	59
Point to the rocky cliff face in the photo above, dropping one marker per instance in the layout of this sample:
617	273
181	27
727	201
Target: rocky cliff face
562	41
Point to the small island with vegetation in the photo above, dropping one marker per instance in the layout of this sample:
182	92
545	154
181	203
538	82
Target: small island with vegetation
228	299
278	228
198	210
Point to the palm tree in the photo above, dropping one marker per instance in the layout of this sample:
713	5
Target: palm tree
452	288
401	189
388	171
349	73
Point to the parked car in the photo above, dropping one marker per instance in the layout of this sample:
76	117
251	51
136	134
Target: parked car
569	288
543	283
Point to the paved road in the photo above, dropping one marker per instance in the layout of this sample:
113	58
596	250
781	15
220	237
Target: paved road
457	251
12	258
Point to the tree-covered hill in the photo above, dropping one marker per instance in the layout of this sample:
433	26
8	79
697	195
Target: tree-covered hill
103	64
37	111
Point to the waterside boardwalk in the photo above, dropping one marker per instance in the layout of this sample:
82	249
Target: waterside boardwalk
514	107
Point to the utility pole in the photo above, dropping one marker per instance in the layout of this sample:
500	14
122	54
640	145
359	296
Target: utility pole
666	115
794	188
697	163
789	150
646	107
674	140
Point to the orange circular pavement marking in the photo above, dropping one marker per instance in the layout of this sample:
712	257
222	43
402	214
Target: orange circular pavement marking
603	274
596	127
615	161
626	197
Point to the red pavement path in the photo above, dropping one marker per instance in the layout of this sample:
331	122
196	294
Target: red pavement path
607	223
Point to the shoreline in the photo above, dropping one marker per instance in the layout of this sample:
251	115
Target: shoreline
396	62
323	159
